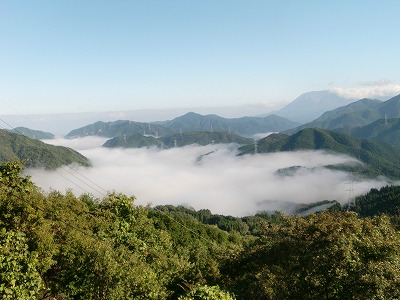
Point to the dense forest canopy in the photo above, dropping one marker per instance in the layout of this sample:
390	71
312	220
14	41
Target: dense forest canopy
62	246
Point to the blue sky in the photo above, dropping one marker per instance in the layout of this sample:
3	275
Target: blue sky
76	56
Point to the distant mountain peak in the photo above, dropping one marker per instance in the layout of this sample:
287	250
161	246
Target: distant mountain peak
311	105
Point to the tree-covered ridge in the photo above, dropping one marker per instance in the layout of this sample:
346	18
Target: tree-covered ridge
60	246
37	154
33	134
387	130
246	126
379	158
357	114
386	200
189	122
119	128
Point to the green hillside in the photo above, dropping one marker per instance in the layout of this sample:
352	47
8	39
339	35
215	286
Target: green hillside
355	114
37	154
390	108
383	201
246	126
387	130
379	158
119	128
33	134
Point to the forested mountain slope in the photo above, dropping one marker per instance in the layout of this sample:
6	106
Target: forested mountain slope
383	201
187	123
379	158
357	114
387	130
119	128
37	154
246	126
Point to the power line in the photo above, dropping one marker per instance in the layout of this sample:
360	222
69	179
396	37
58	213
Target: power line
82	181
103	192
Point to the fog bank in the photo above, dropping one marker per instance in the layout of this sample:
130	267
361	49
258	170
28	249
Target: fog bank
211	177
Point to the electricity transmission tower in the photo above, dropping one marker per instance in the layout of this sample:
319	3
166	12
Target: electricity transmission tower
352	199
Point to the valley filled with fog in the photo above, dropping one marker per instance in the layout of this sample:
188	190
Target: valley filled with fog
211	177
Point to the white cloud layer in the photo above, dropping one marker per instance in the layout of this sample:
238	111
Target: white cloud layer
219	181
379	89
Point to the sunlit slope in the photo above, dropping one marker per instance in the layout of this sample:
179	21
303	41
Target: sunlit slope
35	153
379	158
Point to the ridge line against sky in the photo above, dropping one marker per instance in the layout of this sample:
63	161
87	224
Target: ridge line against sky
77	56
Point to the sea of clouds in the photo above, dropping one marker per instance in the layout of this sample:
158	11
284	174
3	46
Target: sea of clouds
211	177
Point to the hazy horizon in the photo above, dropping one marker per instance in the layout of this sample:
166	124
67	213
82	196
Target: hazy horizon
63	123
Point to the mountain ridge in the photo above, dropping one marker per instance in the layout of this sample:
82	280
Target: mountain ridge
356	114
379	158
191	121
245	126
37	154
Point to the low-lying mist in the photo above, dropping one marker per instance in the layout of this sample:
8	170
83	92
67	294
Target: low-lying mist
211	177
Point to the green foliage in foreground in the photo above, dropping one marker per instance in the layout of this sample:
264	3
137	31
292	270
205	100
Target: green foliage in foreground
72	247
60	246
323	256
